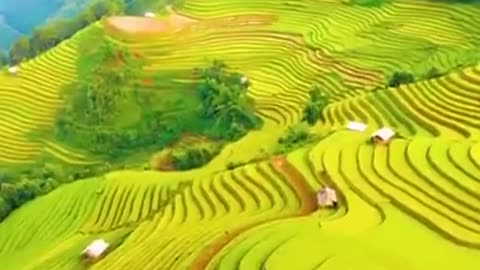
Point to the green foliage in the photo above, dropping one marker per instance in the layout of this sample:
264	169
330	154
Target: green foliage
368	3
434	73
4	61
317	102
22	184
20	50
194	156
106	91
109	113
54	32
295	137
399	77
138	7
224	98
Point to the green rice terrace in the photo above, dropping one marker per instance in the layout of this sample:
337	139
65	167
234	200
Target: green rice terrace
248	200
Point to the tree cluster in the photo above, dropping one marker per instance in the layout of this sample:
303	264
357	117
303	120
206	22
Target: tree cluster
18	186
400	77
295	137
109	92
317	101
4	61
224	99
94	104
52	33
185	158
366	3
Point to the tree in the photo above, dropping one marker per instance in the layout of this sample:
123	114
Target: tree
5	208
400	77
318	100
224	99
4	61
20	50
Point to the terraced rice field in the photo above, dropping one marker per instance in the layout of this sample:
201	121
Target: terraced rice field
412	204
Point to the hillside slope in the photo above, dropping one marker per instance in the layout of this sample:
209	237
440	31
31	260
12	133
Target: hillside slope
411	204
15	23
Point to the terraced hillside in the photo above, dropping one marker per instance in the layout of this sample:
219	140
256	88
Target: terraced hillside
411	204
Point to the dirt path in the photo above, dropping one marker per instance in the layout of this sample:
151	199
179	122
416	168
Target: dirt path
307	206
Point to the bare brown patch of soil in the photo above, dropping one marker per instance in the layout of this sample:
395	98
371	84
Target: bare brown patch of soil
146	25
131	24
297	182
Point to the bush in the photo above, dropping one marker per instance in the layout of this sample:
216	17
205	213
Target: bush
224	98
191	157
399	78
295	137
317	102
433	73
20	185
4	61
368	3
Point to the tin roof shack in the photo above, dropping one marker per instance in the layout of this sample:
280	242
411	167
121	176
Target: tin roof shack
95	250
149	14
356	126
244	81
382	136
327	197
13	70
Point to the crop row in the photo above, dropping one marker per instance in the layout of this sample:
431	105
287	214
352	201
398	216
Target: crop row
446	106
30	100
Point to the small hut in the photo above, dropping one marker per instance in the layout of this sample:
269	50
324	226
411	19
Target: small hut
13	70
95	250
245	81
382	136
356	126
327	197
149	14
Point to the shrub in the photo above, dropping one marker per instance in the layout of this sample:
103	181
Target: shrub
185	158
434	73
399	77
20	185
4	61
317	102
367	3
295	136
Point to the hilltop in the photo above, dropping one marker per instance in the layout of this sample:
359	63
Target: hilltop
410	204
21	17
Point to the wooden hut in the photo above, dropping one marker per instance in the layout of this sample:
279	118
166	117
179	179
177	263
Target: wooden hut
356	126
95	250
382	136
327	197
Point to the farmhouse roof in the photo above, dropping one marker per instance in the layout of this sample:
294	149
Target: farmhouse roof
96	248
384	133
13	69
149	14
243	80
326	197
356	126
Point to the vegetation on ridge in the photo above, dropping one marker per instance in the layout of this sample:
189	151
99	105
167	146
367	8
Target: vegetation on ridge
110	112
422	188
317	101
